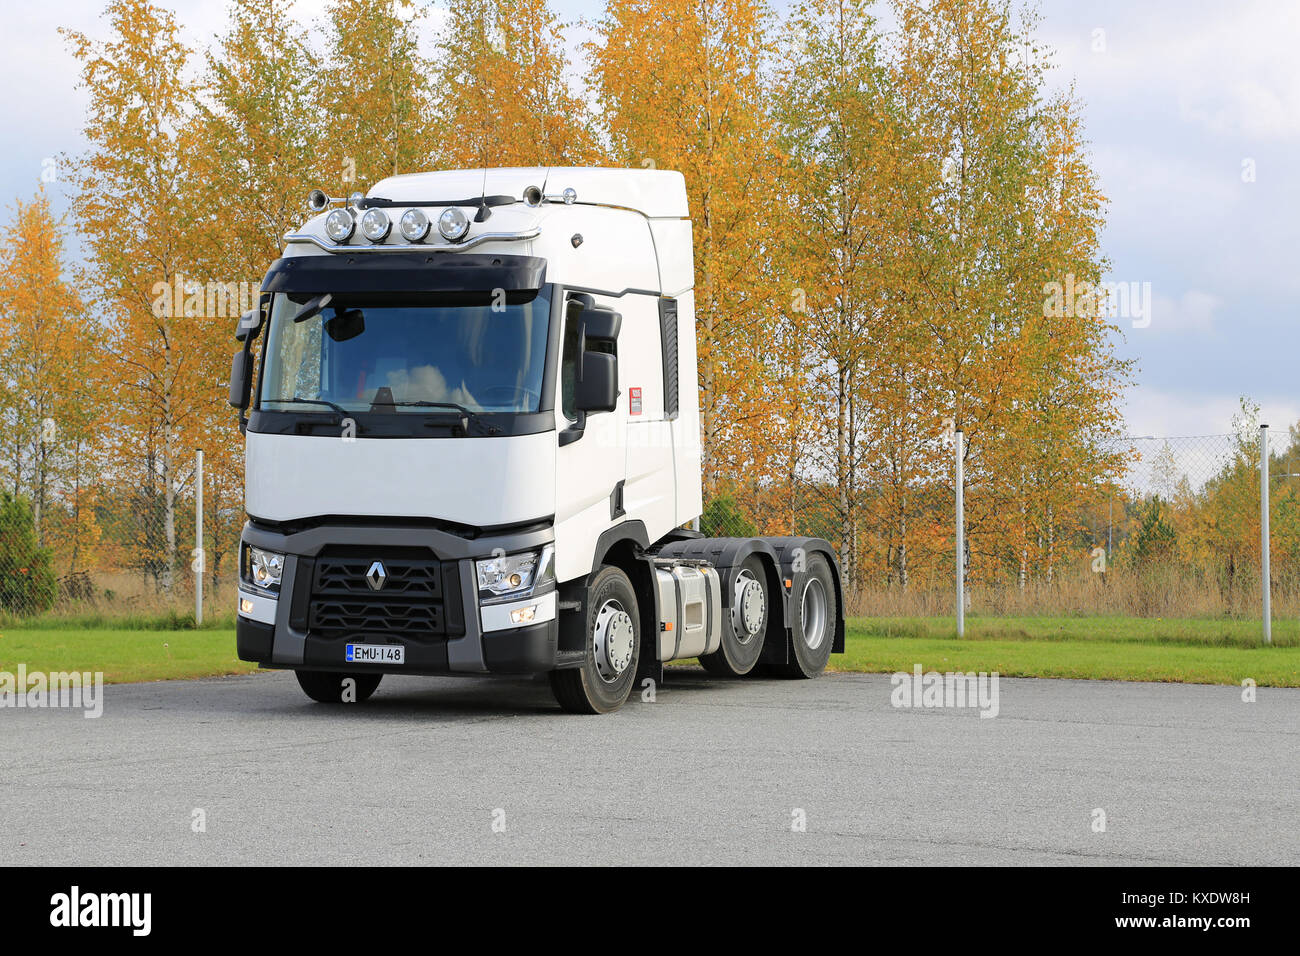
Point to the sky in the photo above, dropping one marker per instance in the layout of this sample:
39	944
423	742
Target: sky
1192	112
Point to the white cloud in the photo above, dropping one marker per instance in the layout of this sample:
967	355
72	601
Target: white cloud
1230	68
1179	209
1201	409
1192	312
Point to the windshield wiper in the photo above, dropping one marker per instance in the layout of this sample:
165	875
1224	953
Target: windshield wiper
422	404
461	422
309	401
463	416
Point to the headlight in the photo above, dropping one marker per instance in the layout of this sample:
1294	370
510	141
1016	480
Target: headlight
453	224
375	225
414	225
262	568
515	575
339	225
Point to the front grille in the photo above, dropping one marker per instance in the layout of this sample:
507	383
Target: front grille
403	619
420	598
408	577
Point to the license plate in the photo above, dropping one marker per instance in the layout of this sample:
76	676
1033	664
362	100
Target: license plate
376	654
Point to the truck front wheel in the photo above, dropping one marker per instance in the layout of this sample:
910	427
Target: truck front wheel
613	629
328	687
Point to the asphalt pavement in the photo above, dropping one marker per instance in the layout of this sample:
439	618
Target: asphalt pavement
247	770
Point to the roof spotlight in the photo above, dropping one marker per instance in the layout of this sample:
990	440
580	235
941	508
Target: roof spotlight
375	225
453	224
414	225
570	196
339	225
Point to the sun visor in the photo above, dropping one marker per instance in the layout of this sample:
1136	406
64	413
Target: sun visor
519	277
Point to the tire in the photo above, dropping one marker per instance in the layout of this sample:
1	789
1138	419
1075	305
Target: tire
744	620
812	632
608	672
327	687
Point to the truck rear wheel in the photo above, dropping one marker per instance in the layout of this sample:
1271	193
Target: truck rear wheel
812	632
744	621
328	687
613	628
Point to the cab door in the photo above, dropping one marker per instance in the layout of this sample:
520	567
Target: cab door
651	490
590	462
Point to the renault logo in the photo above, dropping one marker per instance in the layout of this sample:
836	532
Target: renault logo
376	576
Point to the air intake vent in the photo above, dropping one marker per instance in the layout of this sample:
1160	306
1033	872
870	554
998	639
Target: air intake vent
668	339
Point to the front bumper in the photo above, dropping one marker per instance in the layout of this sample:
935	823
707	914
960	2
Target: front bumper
307	625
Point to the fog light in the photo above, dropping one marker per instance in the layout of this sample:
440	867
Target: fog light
453	224
339	225
245	606
375	225
414	225
523	615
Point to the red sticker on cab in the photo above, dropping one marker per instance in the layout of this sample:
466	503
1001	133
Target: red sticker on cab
634	401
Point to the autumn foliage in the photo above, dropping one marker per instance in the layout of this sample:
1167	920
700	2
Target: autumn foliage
876	215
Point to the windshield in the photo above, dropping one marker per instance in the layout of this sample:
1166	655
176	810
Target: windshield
344	353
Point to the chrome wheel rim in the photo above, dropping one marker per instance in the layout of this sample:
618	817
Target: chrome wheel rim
813	613
613	641
748	603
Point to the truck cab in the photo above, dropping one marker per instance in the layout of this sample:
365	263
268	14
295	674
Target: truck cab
472	447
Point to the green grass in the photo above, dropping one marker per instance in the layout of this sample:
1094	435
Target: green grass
124	654
1196	632
140	621
1189	650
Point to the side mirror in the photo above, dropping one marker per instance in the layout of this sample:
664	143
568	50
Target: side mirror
597	386
241	379
250	323
600	325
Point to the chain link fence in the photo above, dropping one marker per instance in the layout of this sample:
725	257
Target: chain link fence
1177	533
119	546
1171	530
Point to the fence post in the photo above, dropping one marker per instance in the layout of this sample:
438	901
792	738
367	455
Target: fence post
959	441
200	557
1264	573
1110	530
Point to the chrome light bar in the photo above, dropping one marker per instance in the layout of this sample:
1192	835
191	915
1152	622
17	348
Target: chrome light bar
453	224
521	236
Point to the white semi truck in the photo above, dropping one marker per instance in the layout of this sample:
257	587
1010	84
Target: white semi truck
473	447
